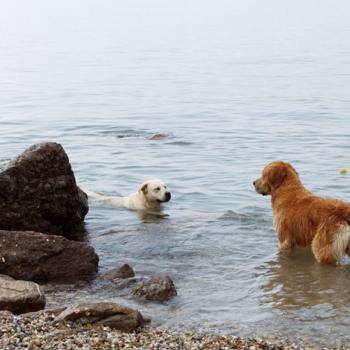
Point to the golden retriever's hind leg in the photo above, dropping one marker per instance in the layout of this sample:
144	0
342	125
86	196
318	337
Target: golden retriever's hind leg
326	251
328	259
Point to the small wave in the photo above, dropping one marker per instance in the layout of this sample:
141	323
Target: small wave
113	231
151	136
233	215
180	143
4	160
127	135
106	130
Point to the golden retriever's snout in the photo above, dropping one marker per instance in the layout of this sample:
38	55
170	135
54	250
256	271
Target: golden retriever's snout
260	187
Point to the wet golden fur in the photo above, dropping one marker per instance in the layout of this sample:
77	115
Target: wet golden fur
303	219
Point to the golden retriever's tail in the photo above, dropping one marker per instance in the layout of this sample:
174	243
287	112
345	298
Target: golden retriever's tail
341	244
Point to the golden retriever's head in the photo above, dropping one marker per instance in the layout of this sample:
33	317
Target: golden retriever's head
274	176
155	191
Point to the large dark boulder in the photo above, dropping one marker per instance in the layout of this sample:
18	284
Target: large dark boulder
36	256
38	192
20	296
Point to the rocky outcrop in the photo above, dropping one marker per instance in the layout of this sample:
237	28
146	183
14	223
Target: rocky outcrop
106	314
20	296
155	288
122	272
39	257
38	192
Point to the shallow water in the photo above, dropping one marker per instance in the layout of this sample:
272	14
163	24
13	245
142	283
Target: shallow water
232	85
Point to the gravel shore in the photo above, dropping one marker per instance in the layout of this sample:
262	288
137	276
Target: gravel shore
38	331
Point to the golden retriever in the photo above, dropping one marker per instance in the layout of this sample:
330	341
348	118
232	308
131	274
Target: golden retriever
303	219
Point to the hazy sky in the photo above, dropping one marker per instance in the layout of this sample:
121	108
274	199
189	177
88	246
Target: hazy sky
51	49
142	22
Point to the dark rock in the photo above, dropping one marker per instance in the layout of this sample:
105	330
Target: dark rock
124	271
106	314
20	296
155	288
38	192
39	257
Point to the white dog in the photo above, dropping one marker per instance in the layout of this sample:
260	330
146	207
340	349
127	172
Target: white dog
150	195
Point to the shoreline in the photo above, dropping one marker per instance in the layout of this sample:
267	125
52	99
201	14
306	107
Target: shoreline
38	330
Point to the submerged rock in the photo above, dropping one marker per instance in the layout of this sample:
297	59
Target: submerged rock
155	288
158	136
124	271
38	192
107	314
20	296
39	257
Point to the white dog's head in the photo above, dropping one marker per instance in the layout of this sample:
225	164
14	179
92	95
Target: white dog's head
155	191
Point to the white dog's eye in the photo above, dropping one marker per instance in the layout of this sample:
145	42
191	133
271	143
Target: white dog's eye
157	188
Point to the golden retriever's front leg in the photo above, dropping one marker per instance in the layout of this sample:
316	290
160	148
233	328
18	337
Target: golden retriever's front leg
286	246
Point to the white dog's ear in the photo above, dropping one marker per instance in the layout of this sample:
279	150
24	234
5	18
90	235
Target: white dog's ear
144	188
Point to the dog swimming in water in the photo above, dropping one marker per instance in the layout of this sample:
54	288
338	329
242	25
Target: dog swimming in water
150	196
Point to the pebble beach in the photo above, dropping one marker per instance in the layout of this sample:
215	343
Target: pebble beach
40	331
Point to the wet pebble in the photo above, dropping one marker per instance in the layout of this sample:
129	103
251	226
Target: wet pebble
40	332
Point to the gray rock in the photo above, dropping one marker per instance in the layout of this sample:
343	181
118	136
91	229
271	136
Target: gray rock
155	288
38	192
124	271
20	296
106	314
38	257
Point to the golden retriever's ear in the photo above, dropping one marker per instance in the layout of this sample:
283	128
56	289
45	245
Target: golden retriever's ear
276	176
144	188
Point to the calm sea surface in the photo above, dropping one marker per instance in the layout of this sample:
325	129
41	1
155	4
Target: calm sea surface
233	85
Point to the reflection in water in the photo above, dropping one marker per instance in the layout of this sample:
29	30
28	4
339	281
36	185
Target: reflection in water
298	281
151	217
